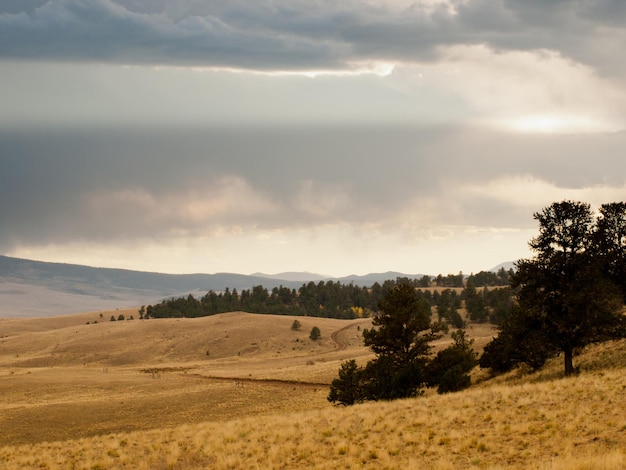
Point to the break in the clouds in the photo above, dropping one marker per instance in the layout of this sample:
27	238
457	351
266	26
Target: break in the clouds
304	35
337	137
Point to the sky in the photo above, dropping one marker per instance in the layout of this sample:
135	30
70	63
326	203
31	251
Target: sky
286	135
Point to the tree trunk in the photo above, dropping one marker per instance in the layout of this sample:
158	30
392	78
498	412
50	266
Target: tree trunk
568	354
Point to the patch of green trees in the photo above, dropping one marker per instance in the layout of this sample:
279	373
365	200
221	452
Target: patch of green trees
448	303
488	305
490	279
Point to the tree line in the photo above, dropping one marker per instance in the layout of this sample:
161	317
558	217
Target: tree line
332	299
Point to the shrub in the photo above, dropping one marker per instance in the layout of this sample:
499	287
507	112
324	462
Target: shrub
347	389
450	368
315	333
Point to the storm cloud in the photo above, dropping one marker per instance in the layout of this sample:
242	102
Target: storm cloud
299	35
112	185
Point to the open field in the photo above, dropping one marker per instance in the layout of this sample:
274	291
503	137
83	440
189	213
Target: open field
245	391
62	378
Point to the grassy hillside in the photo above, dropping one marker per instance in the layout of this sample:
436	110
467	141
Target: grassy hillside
196	342
145	394
61	377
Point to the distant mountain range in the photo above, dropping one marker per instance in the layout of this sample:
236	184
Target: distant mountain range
34	288
364	280
293	276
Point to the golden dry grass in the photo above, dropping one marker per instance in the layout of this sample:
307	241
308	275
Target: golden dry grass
62	378
233	338
145	395
574	423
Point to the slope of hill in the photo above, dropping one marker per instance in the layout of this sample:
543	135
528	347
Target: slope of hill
76	340
300	277
369	279
34	288
61	377
506	266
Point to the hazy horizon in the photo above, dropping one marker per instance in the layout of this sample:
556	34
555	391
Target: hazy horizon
287	275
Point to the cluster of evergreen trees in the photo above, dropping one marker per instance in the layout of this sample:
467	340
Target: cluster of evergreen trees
400	338
336	300
324	299
571	293
488	305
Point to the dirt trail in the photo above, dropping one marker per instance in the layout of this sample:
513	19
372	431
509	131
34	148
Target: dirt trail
335	337
240	381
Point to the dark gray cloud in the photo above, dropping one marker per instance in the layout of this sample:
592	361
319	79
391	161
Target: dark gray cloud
101	30
113	186
294	35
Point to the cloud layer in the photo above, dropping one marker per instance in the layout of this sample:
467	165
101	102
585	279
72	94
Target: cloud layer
118	186
303	35
281	135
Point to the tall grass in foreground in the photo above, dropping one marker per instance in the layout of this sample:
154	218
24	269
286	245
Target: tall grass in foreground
576	423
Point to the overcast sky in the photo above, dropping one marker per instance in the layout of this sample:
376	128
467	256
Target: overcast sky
288	135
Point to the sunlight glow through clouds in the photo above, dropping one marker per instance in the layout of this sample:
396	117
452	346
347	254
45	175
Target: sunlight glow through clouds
560	124
539	193
380	69
529	91
355	68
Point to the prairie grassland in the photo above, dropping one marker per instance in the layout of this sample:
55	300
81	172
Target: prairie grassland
67	379
564	423
146	395
69	341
